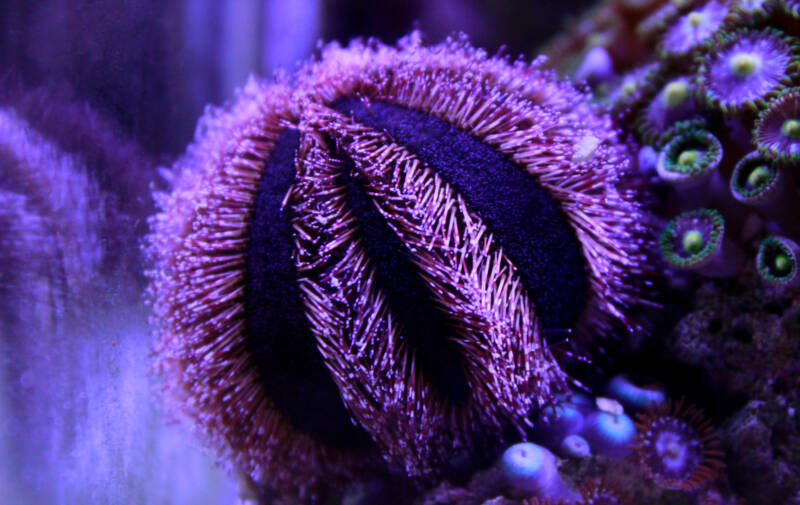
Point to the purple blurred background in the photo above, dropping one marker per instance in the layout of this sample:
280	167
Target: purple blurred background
154	64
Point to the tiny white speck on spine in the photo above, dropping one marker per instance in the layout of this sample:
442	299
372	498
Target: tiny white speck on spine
585	148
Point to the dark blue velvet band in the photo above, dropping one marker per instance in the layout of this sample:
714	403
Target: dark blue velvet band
424	328
278	333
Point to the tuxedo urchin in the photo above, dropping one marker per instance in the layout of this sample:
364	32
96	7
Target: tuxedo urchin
357	266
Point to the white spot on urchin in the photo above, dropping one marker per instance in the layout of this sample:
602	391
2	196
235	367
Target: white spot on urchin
585	148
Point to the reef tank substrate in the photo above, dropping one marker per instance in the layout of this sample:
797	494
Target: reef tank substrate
401	270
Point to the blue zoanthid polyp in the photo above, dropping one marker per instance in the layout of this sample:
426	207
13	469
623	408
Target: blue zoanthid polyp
357	268
677	447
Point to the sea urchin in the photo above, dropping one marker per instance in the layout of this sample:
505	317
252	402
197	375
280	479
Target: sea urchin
366	264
